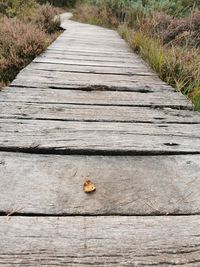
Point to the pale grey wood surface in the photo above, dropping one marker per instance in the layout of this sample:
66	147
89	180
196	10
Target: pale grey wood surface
89	95
100	241
53	184
90	99
89	69
69	49
91	57
70	112
46	77
134	85
97	61
104	137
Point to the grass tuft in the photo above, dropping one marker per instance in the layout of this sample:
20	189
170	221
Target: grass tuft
165	33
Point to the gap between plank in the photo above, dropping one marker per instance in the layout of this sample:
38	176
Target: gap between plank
91	152
153	214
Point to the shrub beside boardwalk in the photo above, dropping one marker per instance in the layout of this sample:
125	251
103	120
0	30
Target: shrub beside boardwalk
25	31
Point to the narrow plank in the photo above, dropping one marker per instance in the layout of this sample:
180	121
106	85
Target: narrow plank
26	110
87	62
112	49
103	42
86	51
89	69
93	48
91	57
153	81
69	51
85	54
73	27
96	55
100	138
73	78
53	184
94	40
100	241
95	97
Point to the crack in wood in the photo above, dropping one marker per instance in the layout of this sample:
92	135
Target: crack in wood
91	152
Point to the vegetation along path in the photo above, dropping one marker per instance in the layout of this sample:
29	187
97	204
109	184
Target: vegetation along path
90	109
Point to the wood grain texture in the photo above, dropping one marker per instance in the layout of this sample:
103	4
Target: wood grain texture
91	57
112	120
76	51
90	69
53	184
100	241
86	62
87	78
68	112
95	96
69	51
94	84
85	137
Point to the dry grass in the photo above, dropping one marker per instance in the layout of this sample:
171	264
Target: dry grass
46	18
21	40
97	16
169	44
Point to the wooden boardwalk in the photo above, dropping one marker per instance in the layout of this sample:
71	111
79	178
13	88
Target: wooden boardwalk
89	108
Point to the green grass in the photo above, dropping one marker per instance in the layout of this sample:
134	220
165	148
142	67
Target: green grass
164	33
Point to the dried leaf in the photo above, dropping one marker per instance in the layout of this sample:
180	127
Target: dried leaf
89	187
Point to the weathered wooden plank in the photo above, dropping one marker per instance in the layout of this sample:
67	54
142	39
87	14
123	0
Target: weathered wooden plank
88	78
94	40
89	69
109	48
97	84
76	27
87	62
102	42
73	78
26	110
127	55
137	185
70	49
94	54
62	44
86	54
91	57
95	137
95	97
100	241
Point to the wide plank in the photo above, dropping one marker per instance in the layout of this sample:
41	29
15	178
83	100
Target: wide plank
89	78
100	241
94	95
98	137
66	112
128	82
137	185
